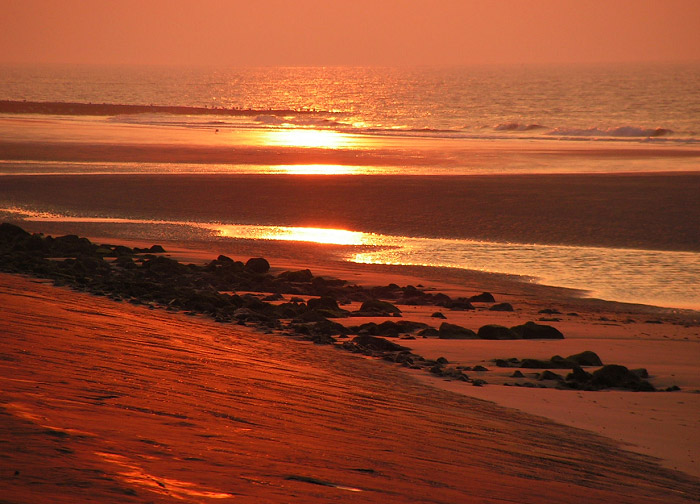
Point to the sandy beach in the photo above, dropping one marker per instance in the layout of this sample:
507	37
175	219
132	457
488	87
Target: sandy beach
113	402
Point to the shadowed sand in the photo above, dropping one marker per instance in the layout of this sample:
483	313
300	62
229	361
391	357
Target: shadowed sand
117	403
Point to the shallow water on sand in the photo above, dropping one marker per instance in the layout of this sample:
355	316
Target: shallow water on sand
627	275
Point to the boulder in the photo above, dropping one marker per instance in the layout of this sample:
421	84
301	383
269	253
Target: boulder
459	304
257	265
453	331
586	358
531	330
377	308
504	307
301	276
376	343
484	297
496	332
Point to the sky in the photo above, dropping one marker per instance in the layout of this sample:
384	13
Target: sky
348	32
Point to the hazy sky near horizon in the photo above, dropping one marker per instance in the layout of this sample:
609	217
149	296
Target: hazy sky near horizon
348	32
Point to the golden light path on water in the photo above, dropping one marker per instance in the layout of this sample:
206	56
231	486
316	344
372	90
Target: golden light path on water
662	278
312	138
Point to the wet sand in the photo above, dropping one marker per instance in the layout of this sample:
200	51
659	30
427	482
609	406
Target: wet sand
646	211
119	403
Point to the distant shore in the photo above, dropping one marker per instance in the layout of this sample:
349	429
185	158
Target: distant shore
103	109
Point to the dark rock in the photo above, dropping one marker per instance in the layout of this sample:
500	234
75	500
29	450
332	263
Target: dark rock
586	358
257	265
477	382
121	250
504	307
484	297
550	311
442	360
439	315
496	332
531	330
71	245
613	375
459	304
479	367
641	372
10	232
156	249
512	362
301	276
376	343
377	308
549	375
164	266
429	332
453	331
327	306
517	374
578	375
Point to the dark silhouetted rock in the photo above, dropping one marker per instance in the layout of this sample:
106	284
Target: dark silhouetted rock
550	311
10	232
257	265
531	330
459	304
377	343
641	372
377	308
496	332
439	315
301	276
156	249
453	331
586	358
504	307
484	297
549	375
616	376
517	374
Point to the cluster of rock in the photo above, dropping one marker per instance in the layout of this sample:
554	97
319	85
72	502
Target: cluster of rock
607	376
141	275
529	330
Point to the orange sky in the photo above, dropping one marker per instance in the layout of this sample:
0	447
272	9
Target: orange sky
348	32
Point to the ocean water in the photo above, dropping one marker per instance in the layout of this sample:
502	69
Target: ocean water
436	129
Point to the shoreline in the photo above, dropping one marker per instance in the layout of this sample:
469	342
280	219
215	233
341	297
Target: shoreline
605	327
210	411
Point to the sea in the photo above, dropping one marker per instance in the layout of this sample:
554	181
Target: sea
582	177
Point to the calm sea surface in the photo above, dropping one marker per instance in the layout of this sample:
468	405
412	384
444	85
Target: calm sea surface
445	124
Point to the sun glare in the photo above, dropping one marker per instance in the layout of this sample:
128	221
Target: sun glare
301	234
322	139
319	169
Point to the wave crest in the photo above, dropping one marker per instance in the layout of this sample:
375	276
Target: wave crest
622	131
514	126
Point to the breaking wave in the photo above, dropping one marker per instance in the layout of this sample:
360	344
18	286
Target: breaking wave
622	131
514	126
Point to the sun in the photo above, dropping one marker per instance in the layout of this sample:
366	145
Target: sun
323	139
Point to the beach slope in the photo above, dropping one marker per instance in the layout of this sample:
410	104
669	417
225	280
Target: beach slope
110	402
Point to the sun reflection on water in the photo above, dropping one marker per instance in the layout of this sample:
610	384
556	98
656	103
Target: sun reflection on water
301	234
324	139
319	169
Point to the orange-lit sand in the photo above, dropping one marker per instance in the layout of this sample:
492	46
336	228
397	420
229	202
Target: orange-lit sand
117	403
